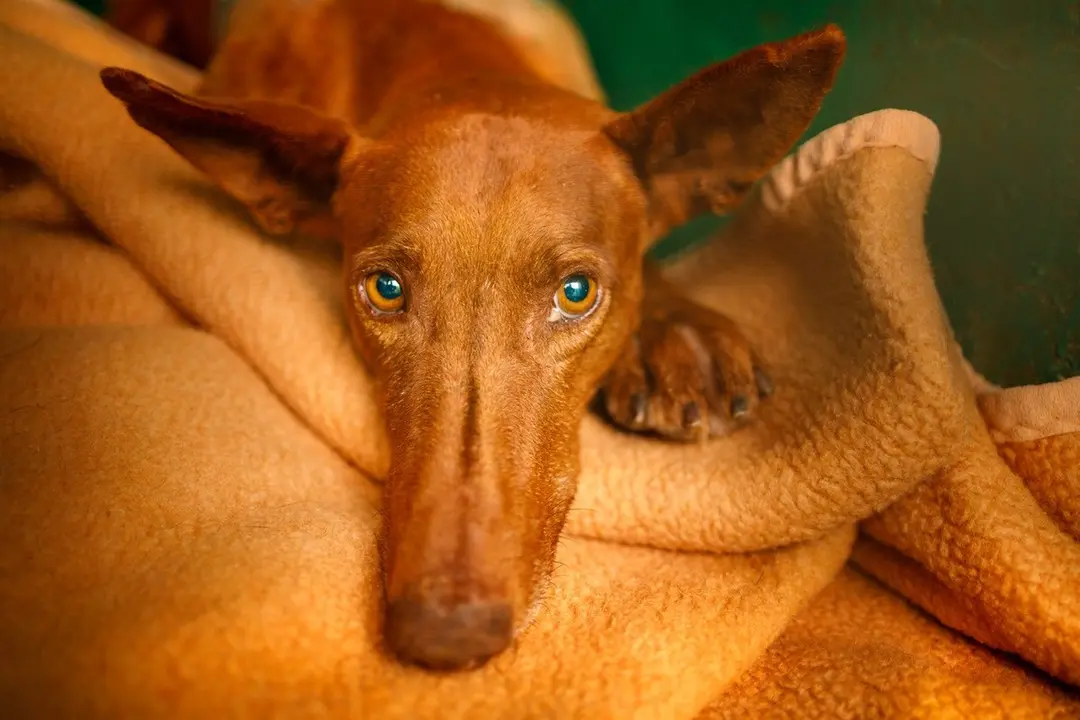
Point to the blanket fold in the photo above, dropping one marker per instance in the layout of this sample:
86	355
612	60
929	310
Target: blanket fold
191	453
860	652
978	549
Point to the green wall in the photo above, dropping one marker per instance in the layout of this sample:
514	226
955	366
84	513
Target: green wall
1001	78
95	6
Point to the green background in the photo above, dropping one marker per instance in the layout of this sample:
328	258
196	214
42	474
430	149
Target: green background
1000	78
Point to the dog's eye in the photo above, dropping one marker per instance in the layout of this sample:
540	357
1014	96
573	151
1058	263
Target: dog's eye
576	297
384	292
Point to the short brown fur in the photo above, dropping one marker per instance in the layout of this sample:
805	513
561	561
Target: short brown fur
423	142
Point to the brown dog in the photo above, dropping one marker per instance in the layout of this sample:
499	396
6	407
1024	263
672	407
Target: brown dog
494	228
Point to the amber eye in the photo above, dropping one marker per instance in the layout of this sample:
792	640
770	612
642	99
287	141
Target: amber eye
576	297
384	292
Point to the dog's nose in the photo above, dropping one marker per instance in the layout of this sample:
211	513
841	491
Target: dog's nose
461	637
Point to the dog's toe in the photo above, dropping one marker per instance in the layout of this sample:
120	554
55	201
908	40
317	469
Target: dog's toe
626	390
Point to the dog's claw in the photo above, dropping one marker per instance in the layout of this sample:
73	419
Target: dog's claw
740	407
639	406
691	416
764	383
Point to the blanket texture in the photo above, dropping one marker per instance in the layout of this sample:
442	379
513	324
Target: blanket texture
191	454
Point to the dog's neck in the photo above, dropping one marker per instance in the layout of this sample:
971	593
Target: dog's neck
372	63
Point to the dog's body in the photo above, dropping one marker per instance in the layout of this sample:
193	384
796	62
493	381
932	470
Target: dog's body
494	227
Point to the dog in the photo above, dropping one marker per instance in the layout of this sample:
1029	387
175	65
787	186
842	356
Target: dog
494	229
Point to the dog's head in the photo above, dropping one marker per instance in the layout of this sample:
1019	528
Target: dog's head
493	272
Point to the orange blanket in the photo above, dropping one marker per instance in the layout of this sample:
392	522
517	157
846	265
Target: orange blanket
187	522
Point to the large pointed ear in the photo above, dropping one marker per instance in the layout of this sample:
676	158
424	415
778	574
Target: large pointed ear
700	146
281	161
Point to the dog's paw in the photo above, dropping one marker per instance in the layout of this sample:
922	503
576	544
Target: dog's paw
688	374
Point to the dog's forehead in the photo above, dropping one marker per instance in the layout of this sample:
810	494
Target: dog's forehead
516	176
482	157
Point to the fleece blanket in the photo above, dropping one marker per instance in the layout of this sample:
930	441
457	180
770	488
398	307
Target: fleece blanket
190	455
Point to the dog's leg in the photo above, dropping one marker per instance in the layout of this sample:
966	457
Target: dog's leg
689	373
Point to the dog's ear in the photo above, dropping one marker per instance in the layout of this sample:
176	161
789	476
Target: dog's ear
701	145
281	161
